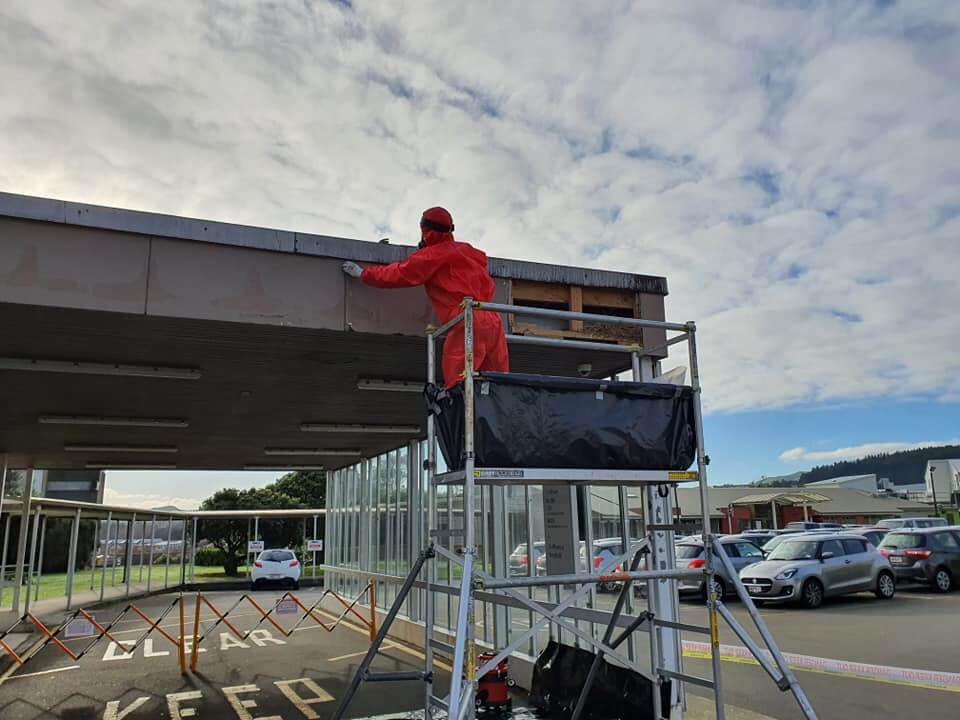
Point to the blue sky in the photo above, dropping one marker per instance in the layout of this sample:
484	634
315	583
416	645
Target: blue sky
790	167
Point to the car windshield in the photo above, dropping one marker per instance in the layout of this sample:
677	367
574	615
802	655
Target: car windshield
902	541
774	542
276	556
795	550
520	549
688	552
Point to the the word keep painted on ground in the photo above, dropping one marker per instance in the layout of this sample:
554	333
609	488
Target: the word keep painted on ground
303	694
257	638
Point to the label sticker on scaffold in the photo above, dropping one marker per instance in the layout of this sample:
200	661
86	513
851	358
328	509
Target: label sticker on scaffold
677	475
497	474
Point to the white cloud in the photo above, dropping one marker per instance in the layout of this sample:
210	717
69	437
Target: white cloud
148	500
791	170
855	452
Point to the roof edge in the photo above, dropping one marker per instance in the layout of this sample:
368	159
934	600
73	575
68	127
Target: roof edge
29	207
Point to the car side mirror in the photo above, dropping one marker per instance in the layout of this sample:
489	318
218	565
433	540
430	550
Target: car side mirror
826	556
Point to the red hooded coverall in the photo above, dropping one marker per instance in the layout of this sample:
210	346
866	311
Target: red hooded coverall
451	271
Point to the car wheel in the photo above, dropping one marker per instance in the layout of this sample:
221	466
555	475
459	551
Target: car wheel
296	585
718	587
942	580
812	594
886	586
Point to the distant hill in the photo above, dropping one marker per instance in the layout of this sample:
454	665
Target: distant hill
903	468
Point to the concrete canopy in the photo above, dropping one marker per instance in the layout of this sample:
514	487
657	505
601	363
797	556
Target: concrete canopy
255	332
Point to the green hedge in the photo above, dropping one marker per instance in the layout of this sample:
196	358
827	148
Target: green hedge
209	557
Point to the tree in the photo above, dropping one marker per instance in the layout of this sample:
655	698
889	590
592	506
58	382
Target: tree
230	536
308	487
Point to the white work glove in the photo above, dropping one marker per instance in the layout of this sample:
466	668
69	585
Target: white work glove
352	269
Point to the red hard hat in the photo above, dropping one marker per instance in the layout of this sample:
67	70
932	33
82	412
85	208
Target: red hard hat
437	219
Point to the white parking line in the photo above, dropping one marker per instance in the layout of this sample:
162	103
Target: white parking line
385	646
44	672
913	677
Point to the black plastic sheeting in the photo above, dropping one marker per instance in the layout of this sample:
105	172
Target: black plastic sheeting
539	421
561	672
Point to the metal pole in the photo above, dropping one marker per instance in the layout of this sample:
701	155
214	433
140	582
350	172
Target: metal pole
251	558
525	311
3	562
106	553
3	489
773	514
72	557
113	566
98	528
143	540
128	563
183	554
22	537
464	661
33	552
426	522
193	552
933	489
166	569
43	538
153	537
314	559
708	539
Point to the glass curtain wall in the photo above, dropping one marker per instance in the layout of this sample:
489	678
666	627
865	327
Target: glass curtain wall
375	531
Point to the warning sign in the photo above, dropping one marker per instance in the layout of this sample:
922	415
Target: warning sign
254	546
78	628
314	545
286	607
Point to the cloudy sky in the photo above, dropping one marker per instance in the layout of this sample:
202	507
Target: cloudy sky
790	167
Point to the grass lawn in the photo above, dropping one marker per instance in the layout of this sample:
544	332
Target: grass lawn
54	586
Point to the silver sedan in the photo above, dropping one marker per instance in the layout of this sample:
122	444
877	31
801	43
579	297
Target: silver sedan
807	568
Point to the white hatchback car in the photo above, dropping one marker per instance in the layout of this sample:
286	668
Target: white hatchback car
276	566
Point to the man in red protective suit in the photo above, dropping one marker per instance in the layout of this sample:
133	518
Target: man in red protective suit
449	271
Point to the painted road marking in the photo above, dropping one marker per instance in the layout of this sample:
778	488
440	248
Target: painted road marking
301	703
926	679
385	646
113	712
45	672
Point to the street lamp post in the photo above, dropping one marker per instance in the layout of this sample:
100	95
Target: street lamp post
933	489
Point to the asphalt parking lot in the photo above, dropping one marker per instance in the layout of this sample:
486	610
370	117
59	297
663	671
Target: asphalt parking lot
916	631
271	677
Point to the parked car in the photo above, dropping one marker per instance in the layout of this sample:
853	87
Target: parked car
741	552
874	534
604	550
810	567
759	537
927	555
276	566
810	525
772	543
519	561
910	523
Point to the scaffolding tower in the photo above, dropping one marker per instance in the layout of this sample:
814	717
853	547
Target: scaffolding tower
661	575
